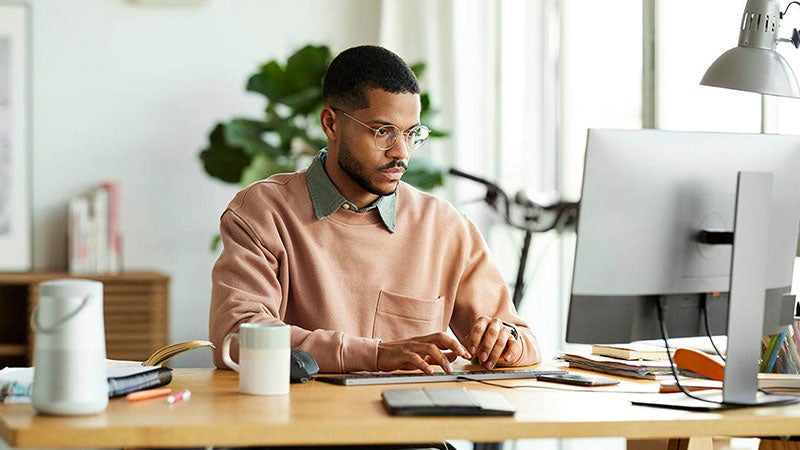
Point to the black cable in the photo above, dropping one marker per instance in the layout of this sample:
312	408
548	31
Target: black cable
663	325
787	8
704	311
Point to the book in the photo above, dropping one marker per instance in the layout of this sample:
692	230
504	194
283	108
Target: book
78	235
124	380
163	354
123	377
774	382
16	382
114	257
148	374
93	232
647	370
780	382
632	351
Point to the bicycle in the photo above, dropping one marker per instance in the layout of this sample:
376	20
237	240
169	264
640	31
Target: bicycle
530	217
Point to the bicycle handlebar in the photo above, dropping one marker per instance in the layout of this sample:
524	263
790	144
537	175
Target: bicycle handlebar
565	212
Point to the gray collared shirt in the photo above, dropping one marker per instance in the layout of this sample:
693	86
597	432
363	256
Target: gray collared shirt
327	199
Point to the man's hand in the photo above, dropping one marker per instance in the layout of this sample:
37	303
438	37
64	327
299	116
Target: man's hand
491	342
422	352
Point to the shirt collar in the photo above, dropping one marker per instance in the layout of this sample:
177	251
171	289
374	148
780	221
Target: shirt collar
327	199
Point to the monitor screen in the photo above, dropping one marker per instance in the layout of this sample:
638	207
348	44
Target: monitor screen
646	195
677	226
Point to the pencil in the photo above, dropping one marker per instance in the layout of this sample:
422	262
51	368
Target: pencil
148	394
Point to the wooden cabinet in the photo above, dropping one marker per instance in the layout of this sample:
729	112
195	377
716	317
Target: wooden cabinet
134	306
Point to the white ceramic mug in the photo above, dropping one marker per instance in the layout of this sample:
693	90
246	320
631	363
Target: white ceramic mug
264	352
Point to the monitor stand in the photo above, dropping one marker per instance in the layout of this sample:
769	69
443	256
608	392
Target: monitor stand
746	307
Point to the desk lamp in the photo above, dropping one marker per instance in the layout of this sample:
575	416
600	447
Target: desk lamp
754	65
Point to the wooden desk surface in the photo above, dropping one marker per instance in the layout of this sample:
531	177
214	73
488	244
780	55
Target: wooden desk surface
321	413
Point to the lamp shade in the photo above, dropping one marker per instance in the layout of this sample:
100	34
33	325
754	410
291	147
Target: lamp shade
753	69
754	65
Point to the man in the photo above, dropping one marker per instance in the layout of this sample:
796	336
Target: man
369	271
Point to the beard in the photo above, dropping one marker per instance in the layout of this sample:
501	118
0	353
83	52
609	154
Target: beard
360	174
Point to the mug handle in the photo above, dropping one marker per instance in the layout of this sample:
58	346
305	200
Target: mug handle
226	351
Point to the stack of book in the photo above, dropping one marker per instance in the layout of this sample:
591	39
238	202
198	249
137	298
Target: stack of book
93	232
633	351
642	369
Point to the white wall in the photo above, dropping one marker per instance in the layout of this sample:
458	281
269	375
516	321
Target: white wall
128	92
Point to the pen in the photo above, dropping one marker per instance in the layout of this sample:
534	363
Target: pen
148	394
182	395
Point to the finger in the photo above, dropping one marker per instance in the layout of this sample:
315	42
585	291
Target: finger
445	342
511	353
500	347
476	335
451	356
418	361
433	356
488	353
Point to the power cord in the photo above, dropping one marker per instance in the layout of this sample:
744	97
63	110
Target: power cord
787	8
673	368
704	311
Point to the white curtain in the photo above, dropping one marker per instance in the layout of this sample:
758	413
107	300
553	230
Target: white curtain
492	71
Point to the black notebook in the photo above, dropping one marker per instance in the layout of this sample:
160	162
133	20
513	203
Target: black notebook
445	402
122	381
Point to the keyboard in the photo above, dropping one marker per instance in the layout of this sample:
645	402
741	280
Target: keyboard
360	379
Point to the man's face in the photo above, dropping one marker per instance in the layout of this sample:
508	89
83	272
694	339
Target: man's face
361	171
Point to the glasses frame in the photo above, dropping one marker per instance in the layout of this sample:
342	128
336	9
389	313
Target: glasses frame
406	134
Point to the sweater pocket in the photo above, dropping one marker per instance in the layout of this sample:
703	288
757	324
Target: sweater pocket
401	317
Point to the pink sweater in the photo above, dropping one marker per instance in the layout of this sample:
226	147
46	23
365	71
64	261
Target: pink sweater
345	283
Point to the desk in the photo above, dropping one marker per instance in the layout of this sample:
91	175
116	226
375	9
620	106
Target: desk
321	413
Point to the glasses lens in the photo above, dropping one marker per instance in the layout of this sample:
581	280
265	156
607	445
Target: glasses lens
386	136
418	136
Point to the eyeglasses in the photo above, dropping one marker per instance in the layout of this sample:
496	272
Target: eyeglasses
386	135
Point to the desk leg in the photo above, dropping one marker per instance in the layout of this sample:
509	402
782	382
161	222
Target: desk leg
693	443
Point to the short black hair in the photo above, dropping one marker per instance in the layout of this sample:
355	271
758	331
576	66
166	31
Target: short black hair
356	70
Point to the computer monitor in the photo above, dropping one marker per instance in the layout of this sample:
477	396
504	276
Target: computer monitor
647	197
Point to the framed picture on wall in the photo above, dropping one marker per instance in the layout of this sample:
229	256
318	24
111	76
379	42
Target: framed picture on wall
15	189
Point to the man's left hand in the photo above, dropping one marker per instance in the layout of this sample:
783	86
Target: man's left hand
490	342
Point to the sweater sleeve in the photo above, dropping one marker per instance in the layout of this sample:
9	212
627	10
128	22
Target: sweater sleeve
249	285
483	292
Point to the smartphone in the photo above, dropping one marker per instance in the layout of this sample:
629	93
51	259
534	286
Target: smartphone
578	380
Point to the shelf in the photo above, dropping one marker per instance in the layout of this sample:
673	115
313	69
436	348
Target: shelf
134	307
13	349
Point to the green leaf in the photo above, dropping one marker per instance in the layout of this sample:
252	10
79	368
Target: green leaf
424	175
216	241
304	101
221	160
247	134
306	67
418	69
270	81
